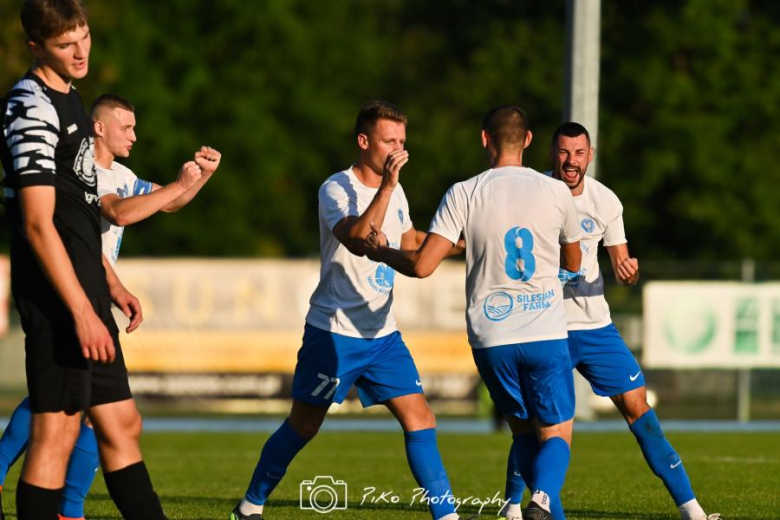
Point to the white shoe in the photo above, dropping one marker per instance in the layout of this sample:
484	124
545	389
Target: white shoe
511	512
713	516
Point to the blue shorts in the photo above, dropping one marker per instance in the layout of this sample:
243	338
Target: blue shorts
603	358
529	379
329	364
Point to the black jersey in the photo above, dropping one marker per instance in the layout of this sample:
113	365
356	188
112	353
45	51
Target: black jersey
47	141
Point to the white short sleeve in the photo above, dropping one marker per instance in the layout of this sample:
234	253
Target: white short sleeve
336	203
406	219
571	226
106	182
450	218
615	233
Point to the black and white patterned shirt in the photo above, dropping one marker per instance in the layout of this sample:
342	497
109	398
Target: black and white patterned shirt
47	141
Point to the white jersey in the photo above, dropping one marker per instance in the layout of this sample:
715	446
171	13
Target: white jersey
355	295
117	180
513	220
600	216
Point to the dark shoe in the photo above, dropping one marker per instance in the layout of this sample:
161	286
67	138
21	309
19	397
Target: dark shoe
535	512
236	515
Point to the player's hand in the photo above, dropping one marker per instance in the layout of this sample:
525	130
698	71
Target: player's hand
130	307
375	239
208	159
565	276
628	271
95	340
392	169
189	174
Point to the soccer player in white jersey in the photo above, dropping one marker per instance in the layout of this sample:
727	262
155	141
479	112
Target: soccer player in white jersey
518	227
125	200
350	337
596	348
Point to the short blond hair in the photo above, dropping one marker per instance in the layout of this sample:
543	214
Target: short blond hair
373	111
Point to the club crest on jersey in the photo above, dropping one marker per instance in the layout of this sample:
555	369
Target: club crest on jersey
84	165
401	216
498	306
383	279
588	225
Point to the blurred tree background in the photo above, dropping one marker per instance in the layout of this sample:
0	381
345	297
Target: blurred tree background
689	124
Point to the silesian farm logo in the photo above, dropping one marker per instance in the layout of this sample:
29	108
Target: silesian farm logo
498	306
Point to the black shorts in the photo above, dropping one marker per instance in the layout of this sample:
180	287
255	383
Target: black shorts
59	378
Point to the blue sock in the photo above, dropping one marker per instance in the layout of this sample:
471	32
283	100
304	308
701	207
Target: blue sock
15	437
519	467
422	453
550	468
525	448
278	452
661	457
83	466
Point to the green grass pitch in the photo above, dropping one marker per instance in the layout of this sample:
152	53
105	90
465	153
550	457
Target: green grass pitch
201	476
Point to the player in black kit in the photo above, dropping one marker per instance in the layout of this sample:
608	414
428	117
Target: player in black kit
62	286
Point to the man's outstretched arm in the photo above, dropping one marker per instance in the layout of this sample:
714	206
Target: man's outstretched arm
413	239
129	210
417	264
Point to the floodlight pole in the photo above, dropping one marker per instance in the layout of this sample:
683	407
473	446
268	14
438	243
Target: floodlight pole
581	104
744	374
583	40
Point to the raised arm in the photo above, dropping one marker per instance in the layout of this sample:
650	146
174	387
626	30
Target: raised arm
37	207
208	159
626	268
353	230
129	210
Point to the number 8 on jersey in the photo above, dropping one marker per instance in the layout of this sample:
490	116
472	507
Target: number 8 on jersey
522	253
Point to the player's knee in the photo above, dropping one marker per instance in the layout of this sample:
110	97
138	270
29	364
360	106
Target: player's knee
421	418
520	426
133	425
307	427
427	420
123	429
633	410
561	430
55	437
